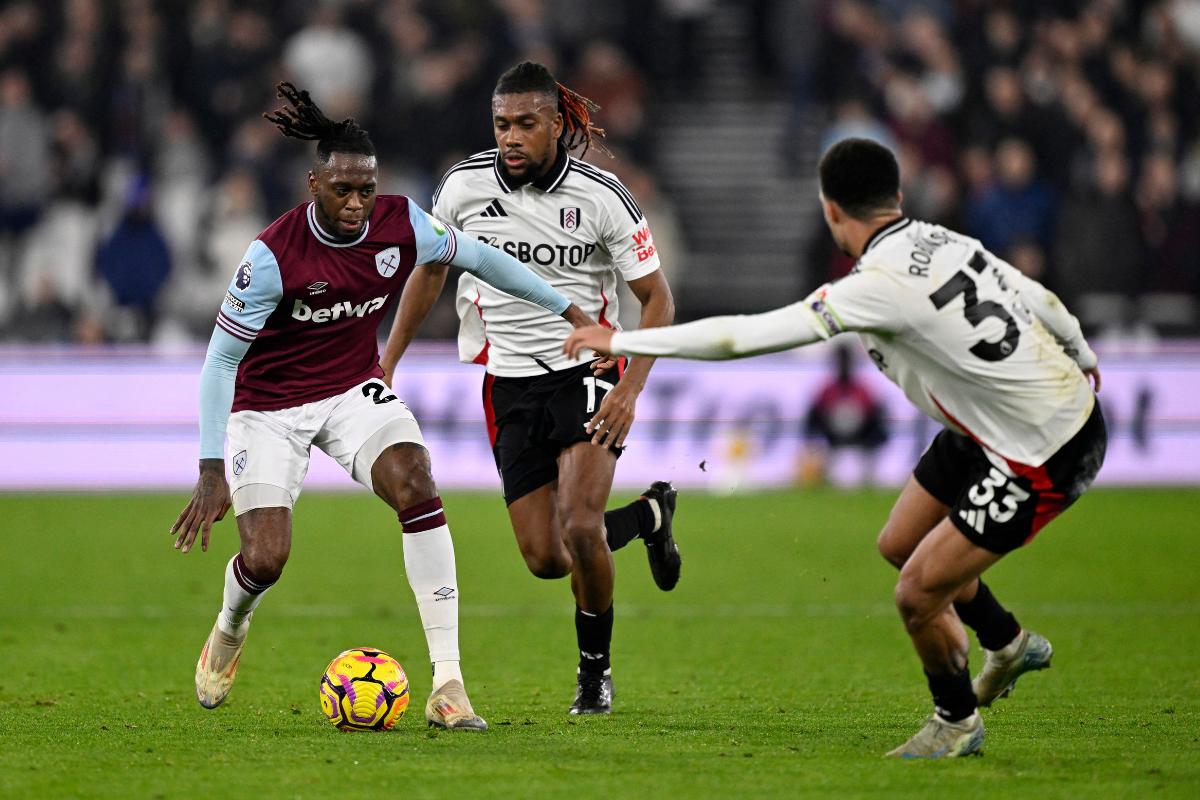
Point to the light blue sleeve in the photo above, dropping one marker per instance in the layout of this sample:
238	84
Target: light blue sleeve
253	295
216	390
442	244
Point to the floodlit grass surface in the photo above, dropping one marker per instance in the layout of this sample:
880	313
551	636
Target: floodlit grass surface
777	668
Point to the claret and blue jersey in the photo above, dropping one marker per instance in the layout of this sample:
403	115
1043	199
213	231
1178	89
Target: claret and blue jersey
298	323
309	304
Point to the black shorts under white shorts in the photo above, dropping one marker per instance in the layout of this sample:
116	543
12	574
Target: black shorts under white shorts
531	420
1003	509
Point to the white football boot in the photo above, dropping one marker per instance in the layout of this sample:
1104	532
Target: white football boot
1001	668
941	739
449	708
218	665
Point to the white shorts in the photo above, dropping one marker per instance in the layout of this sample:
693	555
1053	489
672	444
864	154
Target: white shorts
271	448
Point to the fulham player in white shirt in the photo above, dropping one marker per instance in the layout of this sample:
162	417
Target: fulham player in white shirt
581	230
990	354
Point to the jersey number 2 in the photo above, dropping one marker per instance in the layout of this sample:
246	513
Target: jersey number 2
378	393
976	312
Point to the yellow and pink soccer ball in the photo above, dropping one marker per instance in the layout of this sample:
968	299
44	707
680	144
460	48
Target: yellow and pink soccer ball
364	689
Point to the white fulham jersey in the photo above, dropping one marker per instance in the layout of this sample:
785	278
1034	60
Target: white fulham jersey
973	343
577	227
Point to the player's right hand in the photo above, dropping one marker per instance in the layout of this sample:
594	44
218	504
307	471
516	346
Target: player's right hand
593	337
210	500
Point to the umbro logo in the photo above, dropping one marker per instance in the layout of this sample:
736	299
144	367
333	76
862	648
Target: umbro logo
318	288
444	593
494	209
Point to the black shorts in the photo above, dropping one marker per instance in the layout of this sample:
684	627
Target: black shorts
531	420
1001	510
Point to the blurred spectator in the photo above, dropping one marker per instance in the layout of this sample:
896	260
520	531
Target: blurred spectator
24	154
1017	206
1098	254
331	61
134	262
605	75
1170	228
845	414
233	216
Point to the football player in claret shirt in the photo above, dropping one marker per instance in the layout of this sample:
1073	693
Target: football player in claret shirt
556	425
990	354
294	357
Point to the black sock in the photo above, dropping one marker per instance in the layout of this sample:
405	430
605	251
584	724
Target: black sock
623	525
594	634
992	623
952	695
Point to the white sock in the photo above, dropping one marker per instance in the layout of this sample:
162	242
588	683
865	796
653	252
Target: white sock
242	596
444	671
429	562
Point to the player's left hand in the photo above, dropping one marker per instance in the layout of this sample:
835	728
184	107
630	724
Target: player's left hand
593	337
614	418
1093	375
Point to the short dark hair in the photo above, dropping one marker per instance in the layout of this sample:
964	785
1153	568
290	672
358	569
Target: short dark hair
578	129
305	120
528	76
861	176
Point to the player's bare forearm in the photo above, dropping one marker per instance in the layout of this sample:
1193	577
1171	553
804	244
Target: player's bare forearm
613	420
577	317
210	500
421	291
658	309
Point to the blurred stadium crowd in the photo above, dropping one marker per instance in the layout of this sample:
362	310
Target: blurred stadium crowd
1064	135
135	166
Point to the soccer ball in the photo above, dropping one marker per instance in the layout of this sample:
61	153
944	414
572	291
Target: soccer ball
364	689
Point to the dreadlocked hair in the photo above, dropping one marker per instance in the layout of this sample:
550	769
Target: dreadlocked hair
305	120
577	110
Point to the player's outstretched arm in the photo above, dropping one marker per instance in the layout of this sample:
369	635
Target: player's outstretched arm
712	339
510	276
210	497
421	291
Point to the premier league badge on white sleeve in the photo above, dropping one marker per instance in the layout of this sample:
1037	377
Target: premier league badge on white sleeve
388	261
568	218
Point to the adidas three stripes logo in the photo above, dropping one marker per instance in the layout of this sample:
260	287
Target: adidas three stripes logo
494	209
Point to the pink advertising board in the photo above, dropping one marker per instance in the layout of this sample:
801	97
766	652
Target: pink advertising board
126	420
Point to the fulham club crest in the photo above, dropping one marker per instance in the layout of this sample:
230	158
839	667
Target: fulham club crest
388	261
568	218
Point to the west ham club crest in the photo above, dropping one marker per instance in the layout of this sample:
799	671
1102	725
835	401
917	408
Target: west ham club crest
388	261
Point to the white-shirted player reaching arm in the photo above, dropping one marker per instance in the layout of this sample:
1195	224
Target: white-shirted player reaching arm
989	353
556	424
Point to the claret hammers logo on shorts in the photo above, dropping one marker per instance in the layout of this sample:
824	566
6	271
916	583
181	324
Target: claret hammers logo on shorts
303	312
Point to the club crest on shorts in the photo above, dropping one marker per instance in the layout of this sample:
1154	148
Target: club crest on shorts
239	463
388	261
568	218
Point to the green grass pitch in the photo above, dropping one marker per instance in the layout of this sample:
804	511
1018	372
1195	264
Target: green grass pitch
777	668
